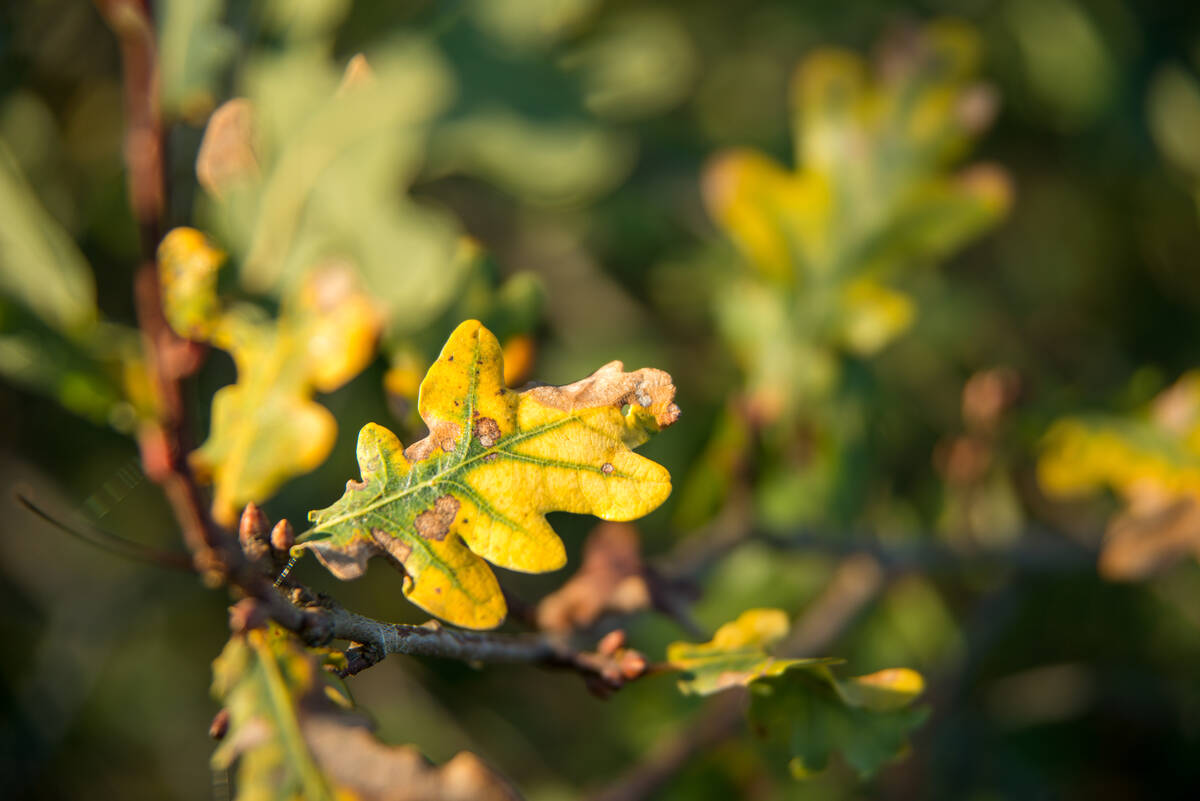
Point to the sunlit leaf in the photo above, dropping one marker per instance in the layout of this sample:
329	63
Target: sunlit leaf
822	251
736	655
266	427
494	462
798	704
871	195
1151	462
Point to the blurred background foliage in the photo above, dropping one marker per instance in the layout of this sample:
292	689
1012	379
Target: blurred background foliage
876	340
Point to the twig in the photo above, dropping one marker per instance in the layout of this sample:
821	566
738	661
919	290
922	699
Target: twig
606	669
166	442
112	543
856	582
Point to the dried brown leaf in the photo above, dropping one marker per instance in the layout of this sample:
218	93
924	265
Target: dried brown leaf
611	579
227	155
1147	538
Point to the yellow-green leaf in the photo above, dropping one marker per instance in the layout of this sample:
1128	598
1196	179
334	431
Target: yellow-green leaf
872	193
736	655
1151	462
798	703
494	463
292	733
266	428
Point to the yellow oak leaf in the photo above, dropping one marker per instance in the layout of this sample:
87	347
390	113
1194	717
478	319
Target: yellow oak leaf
494	463
873	193
266	428
1151	462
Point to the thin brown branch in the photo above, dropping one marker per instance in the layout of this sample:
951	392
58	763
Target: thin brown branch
110	542
131	22
166	441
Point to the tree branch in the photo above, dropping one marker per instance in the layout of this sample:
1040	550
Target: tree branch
166	442
605	670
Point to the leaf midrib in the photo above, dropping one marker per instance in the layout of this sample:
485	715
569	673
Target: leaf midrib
448	474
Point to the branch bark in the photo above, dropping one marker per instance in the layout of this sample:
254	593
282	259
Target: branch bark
165	442
604	670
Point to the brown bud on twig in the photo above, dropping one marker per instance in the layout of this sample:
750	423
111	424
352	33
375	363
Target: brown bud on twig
252	534
220	725
611	642
633	664
283	537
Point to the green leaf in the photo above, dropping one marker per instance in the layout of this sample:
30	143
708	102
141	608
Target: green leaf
494	463
261	678
303	171
813	716
52	337
194	48
40	266
798	704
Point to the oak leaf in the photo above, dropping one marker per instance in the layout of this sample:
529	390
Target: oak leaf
736	655
1150	461
494	463
612	578
266	428
800	703
290	728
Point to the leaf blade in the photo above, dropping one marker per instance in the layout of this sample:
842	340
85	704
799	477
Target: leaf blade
495	462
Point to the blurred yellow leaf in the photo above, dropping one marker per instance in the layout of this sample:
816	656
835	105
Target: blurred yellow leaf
1151	462
494	462
872	194
266	428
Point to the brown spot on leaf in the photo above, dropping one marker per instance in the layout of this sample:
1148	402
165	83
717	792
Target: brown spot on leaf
434	524
487	432
607	468
355	485
395	547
